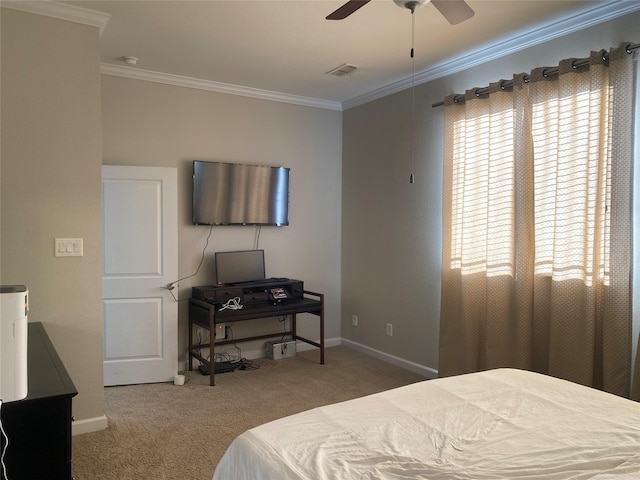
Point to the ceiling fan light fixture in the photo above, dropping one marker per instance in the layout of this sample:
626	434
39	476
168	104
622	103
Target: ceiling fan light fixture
410	4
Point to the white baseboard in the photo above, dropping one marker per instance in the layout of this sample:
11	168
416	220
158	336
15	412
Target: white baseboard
334	342
300	347
260	353
328	342
89	425
397	361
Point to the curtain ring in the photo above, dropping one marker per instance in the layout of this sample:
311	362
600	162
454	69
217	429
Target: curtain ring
477	92
526	78
545	74
573	65
605	56
627	48
502	82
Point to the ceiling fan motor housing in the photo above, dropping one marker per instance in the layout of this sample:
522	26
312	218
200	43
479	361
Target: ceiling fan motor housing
455	11
410	4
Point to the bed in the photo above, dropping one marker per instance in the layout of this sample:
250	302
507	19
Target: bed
498	424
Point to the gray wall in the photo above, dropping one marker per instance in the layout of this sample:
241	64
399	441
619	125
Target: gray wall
50	187
392	230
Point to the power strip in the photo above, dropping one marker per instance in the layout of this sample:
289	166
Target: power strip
220	367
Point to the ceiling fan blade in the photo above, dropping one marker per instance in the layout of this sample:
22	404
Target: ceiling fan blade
347	9
455	11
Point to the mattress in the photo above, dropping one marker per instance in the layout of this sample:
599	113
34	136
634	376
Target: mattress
498	424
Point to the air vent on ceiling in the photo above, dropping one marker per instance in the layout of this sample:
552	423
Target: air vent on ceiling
342	70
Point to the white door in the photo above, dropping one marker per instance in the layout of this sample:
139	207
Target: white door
140	257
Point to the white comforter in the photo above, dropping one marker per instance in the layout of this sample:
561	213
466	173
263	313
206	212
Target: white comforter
499	424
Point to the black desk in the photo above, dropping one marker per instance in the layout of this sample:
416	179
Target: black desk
39	426
204	314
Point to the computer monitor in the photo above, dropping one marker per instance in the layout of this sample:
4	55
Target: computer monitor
239	266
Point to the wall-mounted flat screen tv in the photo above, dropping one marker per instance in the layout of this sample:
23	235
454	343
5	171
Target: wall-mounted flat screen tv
235	194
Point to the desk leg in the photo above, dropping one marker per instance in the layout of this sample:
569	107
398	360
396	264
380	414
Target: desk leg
212	339
293	327
190	358
322	329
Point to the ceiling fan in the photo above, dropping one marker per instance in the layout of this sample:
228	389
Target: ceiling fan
455	11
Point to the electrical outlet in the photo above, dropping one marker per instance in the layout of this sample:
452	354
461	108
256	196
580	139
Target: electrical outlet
221	332
389	329
354	320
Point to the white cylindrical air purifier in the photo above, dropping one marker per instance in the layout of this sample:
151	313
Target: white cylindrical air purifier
14	307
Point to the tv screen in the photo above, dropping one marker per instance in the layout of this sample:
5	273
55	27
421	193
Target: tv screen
234	194
239	267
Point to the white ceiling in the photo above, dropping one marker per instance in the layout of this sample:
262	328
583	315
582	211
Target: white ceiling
285	47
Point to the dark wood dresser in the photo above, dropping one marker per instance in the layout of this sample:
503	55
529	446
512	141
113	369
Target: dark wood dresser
39	426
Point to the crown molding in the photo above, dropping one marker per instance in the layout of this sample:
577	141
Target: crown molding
500	48
534	36
60	11
188	82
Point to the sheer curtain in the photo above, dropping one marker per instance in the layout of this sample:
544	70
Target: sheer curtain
537	224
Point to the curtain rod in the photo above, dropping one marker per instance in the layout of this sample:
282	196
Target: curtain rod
548	71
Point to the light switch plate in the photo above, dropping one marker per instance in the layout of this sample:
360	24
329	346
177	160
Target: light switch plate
68	247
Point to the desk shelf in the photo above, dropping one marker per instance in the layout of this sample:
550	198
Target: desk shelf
204	314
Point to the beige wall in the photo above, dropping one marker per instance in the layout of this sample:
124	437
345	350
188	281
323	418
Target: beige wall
52	151
50	187
391	230
151	124
359	231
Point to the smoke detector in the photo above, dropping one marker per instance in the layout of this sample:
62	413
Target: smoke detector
133	61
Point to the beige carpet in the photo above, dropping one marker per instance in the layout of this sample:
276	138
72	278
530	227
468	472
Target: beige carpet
162	431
